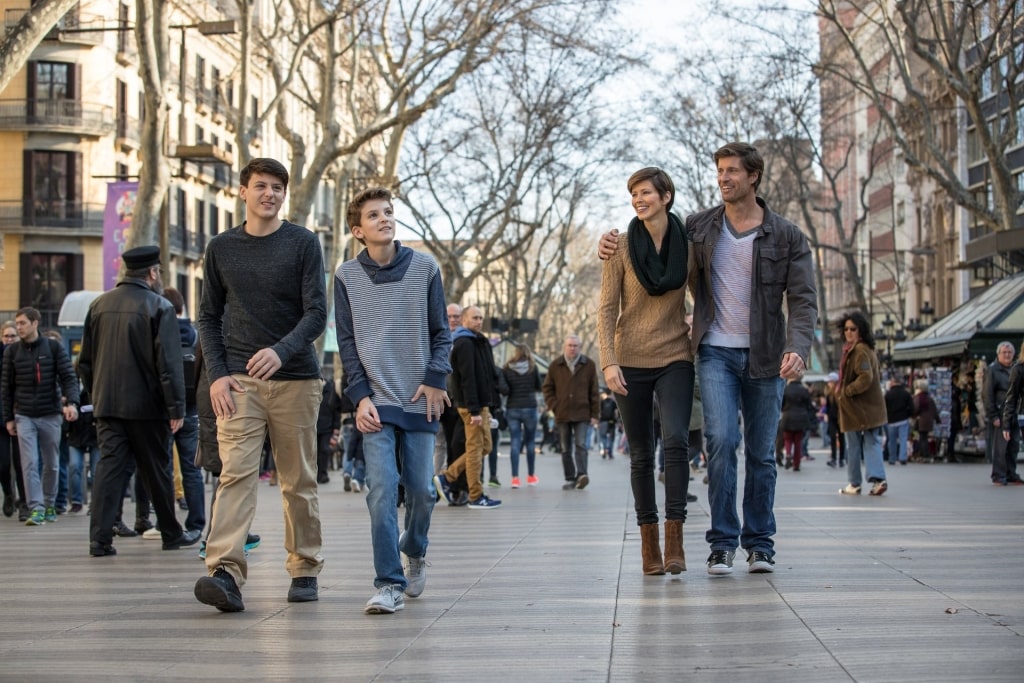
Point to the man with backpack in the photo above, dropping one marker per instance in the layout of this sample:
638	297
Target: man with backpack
37	373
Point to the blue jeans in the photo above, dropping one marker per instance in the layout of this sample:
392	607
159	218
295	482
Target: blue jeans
187	439
606	433
573	437
896	437
39	439
63	465
355	463
522	424
866	445
729	391
78	473
416	449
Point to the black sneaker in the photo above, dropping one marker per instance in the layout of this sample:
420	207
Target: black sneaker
97	549
124	531
760	563
720	562
142	526
303	589
219	590
8	506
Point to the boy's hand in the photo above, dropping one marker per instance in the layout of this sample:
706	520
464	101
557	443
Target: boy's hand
367	419
263	364
608	245
220	395
437	399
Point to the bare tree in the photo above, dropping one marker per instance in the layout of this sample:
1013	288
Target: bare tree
934	50
17	44
499	179
154	175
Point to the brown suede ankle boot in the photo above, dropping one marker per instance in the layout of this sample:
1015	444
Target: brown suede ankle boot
650	549
675	556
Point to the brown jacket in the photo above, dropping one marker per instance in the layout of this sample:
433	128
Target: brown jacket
572	396
860	397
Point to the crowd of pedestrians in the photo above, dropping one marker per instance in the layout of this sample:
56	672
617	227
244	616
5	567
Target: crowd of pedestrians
418	407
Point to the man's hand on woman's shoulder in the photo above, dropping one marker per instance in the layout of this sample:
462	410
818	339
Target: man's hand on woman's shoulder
608	245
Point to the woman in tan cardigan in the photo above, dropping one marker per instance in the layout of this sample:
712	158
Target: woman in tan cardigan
862	413
645	352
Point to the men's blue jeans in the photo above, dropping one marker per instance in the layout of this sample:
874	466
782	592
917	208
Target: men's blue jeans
522	429
865	445
730	391
416	449
79	471
186	440
39	439
896	436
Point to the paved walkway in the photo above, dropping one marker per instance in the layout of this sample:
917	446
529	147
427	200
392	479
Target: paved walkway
923	584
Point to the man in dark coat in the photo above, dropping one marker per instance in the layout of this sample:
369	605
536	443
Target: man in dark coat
474	388
899	406
131	364
571	393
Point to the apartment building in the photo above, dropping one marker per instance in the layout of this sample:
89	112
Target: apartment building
70	126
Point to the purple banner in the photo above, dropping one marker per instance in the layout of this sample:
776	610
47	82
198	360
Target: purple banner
117	223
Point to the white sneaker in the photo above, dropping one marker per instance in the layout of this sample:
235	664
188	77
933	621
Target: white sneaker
151	534
416	576
388	600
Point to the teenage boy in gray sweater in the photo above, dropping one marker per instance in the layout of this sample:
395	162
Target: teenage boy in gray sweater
394	343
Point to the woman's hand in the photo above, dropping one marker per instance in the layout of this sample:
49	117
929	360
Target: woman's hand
615	381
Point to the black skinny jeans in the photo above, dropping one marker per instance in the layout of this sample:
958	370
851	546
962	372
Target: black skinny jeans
673	385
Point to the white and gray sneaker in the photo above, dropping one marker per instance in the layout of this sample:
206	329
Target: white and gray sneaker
720	562
388	600
416	575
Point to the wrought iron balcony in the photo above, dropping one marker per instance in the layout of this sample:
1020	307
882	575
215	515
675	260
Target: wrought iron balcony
65	116
52	217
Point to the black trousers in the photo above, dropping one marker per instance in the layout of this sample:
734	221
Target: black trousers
672	385
122	443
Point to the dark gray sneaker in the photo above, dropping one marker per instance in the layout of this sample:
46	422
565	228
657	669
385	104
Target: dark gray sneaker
760	563
720	562
303	589
219	590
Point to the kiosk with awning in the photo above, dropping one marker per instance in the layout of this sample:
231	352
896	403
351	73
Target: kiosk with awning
974	329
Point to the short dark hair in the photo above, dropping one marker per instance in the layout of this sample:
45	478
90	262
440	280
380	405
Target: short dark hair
354	215
265	166
32	314
863	327
748	156
139	273
661	181
176	299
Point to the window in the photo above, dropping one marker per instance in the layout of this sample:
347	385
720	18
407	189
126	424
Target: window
52	81
46	279
52	186
214	219
52	89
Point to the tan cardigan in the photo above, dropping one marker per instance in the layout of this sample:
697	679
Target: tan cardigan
635	329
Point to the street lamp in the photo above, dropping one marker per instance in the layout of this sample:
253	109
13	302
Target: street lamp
926	314
200	154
